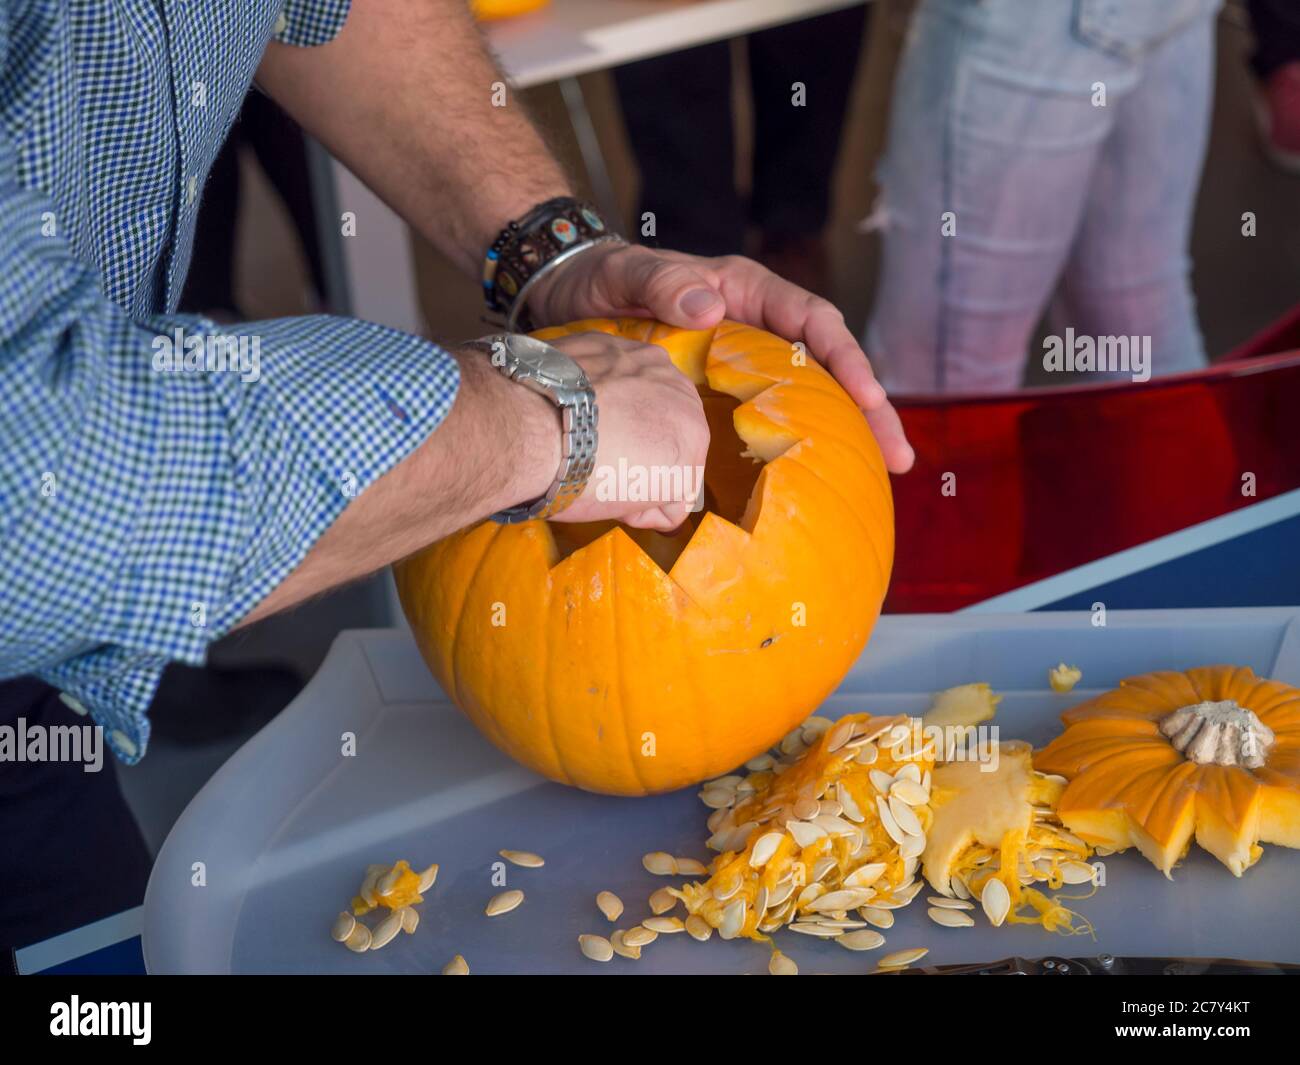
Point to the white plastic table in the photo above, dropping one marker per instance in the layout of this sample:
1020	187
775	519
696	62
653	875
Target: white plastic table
371	275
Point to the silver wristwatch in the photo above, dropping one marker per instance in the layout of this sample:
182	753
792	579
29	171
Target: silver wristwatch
547	370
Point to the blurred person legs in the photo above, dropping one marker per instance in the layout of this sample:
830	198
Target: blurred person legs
1276	62
677	110
72	852
1006	173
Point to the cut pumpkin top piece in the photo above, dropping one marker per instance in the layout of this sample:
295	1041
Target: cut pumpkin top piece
1211	754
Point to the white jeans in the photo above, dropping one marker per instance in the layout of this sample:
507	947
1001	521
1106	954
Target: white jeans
1054	196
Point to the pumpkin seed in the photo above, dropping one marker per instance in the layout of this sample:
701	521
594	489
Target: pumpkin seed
959	887
693	866
504	902
881	781
779	894
718	798
809	928
911	772
900	958
817	725
597	948
904	816
664	924
387	883
912	846
731	780
823	867
834	826
996	901
640	936
839	900
792	743
805	833
344	923
945	903
527	859
909	791
806	808
717	818
367	891
660	863
867	754
760	763
848	804
865	875
764	848
839	736
733	919
876	916
698	928
427	878
410	919
610	905
863	939
458	966
622	949
831	807
1077	873
724	889
781	965
887	821
358	940
662	901
893	737
386	930
950	918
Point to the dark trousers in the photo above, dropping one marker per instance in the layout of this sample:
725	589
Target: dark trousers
677	109
1277	34
70	850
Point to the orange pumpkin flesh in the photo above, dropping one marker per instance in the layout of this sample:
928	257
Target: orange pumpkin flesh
630	663
1131	786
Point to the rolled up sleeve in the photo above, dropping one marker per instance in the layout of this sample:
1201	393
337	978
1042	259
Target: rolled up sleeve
307	23
146	506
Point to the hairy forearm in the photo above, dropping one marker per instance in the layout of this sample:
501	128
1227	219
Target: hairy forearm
499	445
404	97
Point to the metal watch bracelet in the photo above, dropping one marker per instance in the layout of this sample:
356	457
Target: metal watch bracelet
544	369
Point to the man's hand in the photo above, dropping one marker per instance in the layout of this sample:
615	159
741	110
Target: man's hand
651	418
696	293
499	447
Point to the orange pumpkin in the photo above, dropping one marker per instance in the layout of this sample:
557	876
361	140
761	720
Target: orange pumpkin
1213	753
489	10
629	662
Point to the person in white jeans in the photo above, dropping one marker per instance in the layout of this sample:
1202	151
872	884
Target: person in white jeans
1043	155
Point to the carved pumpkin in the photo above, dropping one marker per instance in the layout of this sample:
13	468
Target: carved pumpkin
632	663
490	10
1213	753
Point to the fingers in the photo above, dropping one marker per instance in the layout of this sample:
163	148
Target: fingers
672	290
888	431
664	518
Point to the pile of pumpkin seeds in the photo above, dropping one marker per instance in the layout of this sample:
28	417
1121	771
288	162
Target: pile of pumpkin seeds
824	835
396	888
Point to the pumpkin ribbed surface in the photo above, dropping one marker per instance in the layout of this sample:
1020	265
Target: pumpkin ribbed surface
629	662
1212	754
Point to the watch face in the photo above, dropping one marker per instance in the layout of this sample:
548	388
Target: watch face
545	363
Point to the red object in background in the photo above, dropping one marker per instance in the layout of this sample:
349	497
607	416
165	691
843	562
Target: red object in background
1048	479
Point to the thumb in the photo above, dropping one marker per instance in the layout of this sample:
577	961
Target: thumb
673	292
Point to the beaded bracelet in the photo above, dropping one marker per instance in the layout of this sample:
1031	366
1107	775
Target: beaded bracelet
528	246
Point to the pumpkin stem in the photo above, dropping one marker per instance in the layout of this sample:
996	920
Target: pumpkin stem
1219	733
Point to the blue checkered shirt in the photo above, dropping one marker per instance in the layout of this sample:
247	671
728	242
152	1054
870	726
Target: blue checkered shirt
147	503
